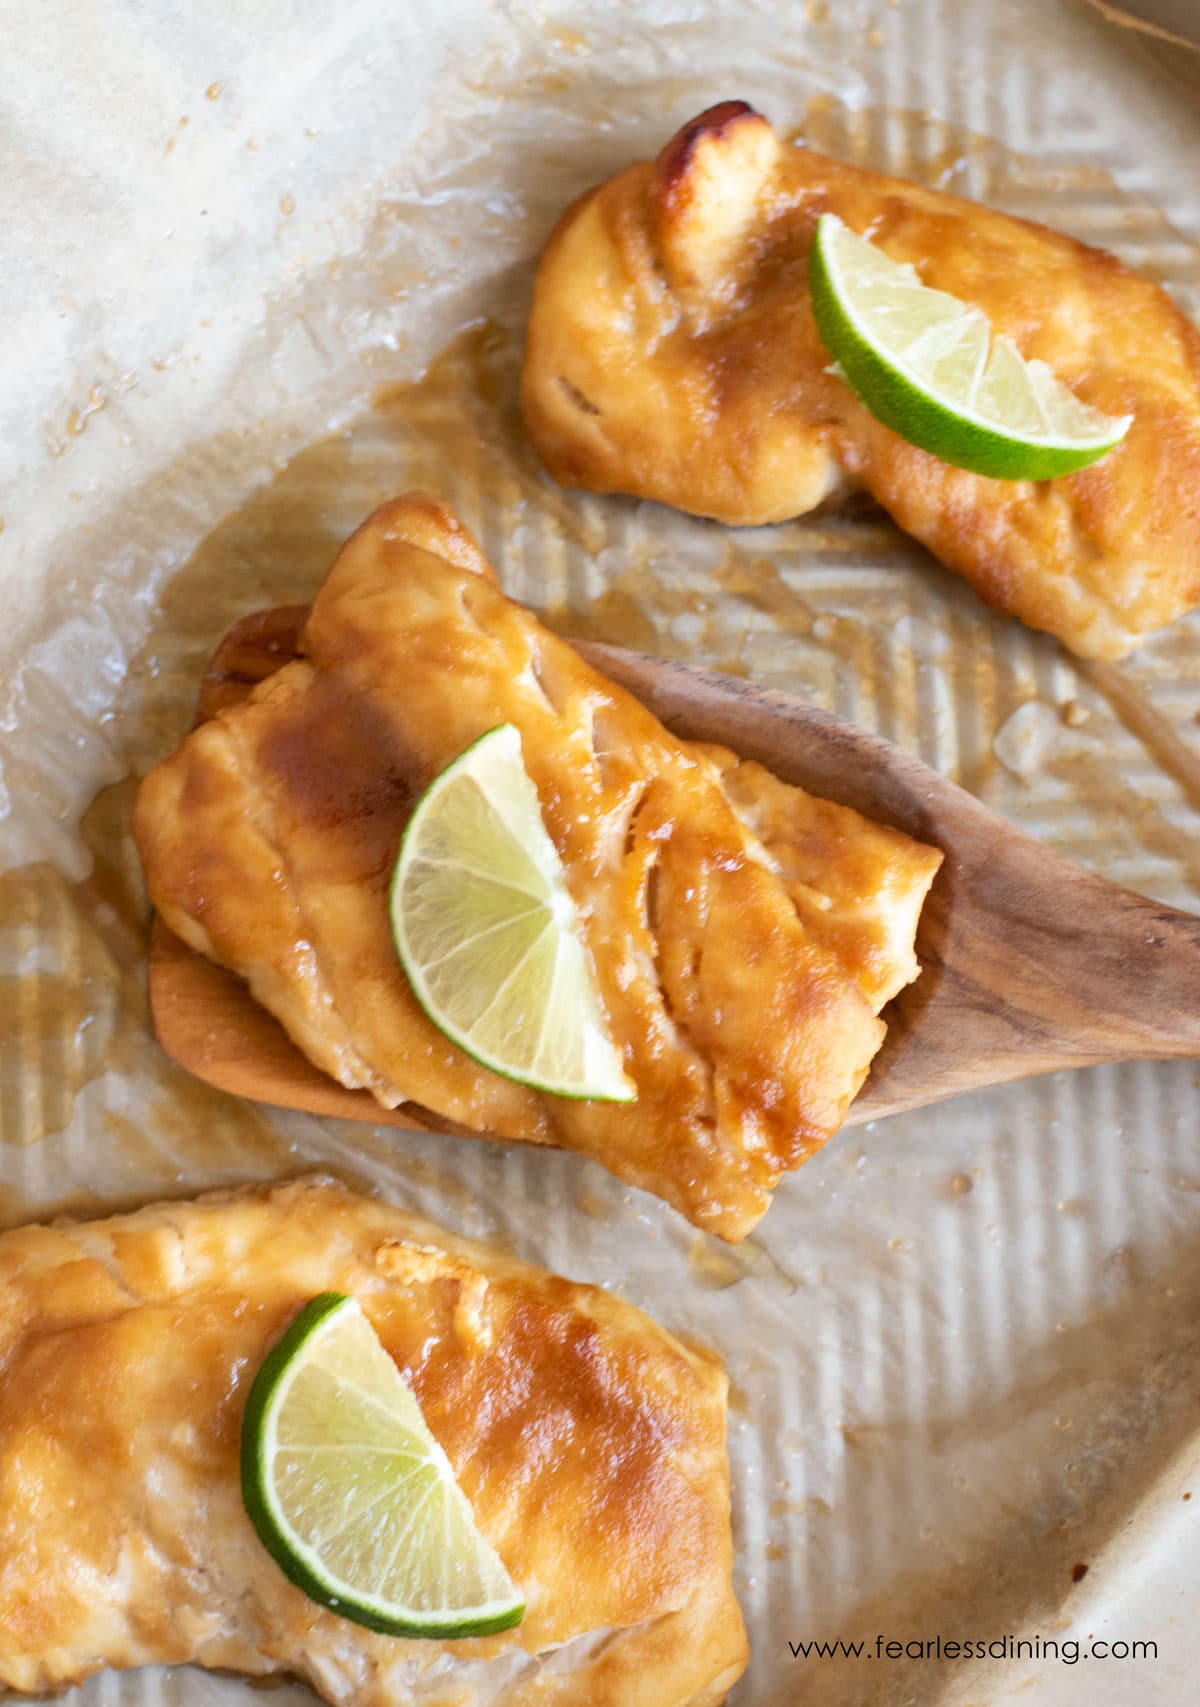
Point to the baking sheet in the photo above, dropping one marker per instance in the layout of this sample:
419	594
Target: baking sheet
267	266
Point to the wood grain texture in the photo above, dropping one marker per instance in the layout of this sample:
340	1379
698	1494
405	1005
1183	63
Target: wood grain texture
1030	963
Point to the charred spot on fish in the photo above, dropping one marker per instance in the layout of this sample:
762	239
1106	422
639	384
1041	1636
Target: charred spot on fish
675	161
635	813
650	902
576	397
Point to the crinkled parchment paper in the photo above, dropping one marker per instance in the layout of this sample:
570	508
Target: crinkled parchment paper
264	266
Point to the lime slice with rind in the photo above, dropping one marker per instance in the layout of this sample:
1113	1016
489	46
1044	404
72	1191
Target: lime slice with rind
353	1497
931	368
489	936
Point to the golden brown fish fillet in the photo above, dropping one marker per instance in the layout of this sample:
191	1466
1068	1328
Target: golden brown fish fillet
590	1442
743	935
672	353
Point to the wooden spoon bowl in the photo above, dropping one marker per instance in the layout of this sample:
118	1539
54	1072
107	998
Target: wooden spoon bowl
1031	964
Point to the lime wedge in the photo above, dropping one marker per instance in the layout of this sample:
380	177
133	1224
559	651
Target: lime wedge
353	1497
488	934
931	368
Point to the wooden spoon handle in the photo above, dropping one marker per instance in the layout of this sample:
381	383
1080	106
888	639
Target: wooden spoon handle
1031	963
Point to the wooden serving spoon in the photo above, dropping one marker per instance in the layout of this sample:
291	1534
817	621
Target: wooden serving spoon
1030	963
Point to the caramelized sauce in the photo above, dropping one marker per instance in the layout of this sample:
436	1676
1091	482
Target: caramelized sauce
1118	683
1134	825
78	1012
714	1266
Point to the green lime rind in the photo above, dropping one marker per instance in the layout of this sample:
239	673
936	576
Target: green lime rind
913	412
415	973
266	1394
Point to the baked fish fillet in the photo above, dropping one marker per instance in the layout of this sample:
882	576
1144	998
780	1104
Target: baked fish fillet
743	935
590	1442
672	353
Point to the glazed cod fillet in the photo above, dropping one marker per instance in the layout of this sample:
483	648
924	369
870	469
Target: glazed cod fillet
743	936
672	353
590	1442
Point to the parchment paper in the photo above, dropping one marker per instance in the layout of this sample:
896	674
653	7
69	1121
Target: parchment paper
963	1345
